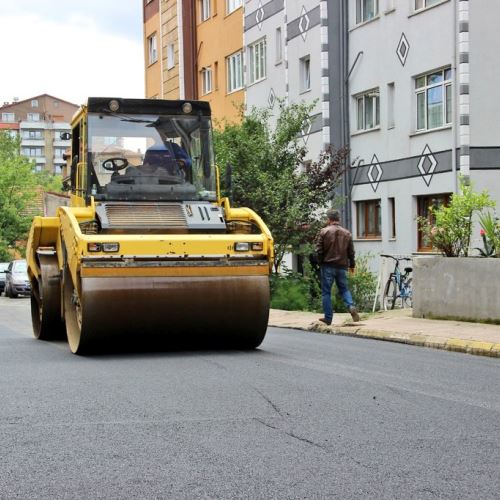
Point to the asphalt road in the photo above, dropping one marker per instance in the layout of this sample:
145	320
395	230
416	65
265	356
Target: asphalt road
305	416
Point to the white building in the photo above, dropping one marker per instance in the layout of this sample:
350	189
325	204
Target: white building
423	83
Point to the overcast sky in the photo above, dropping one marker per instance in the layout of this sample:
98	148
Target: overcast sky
71	49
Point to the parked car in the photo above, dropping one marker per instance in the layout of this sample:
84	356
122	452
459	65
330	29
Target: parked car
3	269
16	280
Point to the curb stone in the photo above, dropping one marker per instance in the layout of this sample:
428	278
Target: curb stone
449	344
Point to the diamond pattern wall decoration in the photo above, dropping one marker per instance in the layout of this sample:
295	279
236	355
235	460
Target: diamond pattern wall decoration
375	173
427	165
272	98
403	49
306	131
259	15
304	23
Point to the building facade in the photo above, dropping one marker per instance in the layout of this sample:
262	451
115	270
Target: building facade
39	122
186	57
422	113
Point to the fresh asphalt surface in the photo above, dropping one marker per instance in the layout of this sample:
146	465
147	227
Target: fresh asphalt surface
305	416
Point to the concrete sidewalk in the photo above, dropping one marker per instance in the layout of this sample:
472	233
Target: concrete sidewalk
400	326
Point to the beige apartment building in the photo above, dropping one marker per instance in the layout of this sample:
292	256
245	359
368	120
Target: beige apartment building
39	122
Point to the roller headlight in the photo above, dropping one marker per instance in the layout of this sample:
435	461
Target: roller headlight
242	247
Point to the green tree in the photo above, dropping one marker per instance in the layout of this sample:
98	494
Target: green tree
18	190
269	174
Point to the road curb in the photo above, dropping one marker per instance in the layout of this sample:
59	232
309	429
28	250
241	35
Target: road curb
475	347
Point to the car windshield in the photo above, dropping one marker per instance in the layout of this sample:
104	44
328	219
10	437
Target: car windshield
151	157
20	267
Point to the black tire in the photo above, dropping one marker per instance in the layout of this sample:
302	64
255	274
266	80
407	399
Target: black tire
46	301
390	294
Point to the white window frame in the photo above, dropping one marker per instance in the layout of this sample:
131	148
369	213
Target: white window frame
34	103
234	71
305	73
362	110
9	117
33	117
279	46
425	4
206	80
170	56
257	61
204	10
422	92
232	5
152	49
361	11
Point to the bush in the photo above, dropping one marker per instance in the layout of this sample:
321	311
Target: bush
296	292
362	284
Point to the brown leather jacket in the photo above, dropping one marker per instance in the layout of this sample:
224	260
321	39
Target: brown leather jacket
334	246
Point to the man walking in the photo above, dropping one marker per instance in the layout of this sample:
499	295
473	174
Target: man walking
335	252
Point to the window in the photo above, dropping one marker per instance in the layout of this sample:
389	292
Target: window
433	99
32	134
204	9
368	219
422	4
234	72
152	49
206	80
232	5
58	152
368	110
58	169
390	106
33	117
366	10
12	133
170	56
392	217
34	103
279	45
8	117
305	73
257	61
56	104
424	203
33	152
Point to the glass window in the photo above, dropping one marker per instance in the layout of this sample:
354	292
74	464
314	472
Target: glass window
170	56
257	61
424	203
34	103
206	80
152	48
434	96
204	9
33	117
368	110
368	219
422	4
366	10
235	72
232	5
305	73
279	45
163	157
8	117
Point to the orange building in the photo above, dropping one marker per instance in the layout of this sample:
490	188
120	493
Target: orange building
199	52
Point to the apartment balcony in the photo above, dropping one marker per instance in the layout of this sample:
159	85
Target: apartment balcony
60	143
59	161
33	142
33	125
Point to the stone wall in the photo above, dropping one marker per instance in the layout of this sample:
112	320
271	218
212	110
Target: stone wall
465	288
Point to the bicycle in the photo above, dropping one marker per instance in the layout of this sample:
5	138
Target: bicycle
398	286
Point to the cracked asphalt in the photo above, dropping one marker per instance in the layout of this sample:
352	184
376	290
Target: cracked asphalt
305	416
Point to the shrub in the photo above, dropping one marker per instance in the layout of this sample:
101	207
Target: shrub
290	292
490	233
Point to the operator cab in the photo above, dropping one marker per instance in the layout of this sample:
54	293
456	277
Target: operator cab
148	150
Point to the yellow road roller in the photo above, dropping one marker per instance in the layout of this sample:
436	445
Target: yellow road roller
147	248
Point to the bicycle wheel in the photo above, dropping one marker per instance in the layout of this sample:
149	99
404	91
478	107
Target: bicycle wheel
407	300
390	294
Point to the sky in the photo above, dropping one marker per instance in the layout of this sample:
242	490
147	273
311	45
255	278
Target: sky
71	49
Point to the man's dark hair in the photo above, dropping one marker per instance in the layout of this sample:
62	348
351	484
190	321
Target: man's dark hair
333	215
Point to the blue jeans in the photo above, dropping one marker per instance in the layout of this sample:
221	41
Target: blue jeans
329	276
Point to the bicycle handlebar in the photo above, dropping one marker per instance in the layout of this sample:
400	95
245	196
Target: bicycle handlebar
395	258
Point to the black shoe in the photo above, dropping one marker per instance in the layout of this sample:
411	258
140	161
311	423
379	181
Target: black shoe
325	321
354	314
